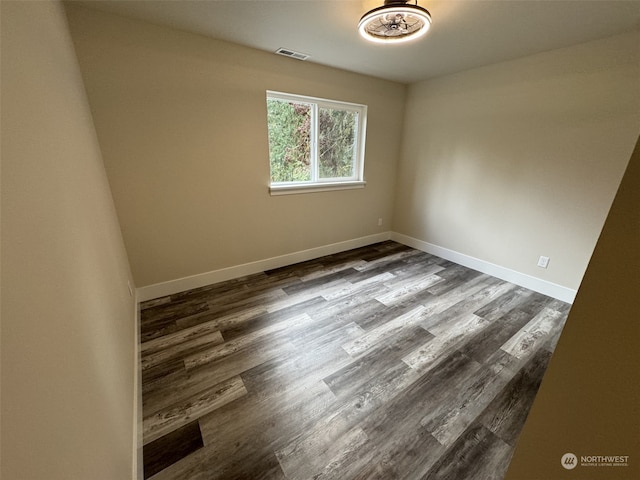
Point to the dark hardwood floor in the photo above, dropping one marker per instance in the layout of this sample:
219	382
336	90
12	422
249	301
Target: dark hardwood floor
382	362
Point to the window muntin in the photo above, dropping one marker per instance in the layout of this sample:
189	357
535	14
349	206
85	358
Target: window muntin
314	142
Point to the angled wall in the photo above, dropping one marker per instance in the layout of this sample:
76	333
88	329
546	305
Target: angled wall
68	321
589	401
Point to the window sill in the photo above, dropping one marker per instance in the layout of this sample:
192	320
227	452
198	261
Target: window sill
314	187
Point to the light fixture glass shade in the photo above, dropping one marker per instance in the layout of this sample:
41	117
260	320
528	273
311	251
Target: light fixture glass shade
394	22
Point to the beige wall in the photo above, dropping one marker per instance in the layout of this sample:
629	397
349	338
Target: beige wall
67	317
520	159
589	399
181	121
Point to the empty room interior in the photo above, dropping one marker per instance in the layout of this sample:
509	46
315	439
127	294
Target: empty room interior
451	298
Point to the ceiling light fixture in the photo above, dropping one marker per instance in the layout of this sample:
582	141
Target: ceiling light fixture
394	22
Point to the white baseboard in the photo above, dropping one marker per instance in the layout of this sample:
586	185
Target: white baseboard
138	464
536	284
187	283
195	281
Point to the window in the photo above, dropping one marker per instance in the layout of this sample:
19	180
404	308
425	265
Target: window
314	144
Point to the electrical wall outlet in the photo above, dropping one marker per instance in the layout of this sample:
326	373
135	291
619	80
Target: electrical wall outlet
380	222
543	262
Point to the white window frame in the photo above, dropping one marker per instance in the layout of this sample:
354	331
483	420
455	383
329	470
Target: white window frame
317	184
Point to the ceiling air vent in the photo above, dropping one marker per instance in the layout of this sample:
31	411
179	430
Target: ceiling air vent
290	53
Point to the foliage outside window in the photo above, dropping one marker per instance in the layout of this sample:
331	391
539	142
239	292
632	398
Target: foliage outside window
314	142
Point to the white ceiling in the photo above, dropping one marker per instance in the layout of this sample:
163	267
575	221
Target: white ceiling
464	33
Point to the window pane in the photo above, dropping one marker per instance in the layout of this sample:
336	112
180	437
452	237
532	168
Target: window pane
289	126
337	134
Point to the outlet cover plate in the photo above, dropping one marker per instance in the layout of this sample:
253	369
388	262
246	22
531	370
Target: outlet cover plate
543	262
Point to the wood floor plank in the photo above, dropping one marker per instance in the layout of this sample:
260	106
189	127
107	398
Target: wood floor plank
404	410
390	259
382	362
234	363
190	467
447	319
335	425
168	341
357	288
333	334
232	346
476	455
504	304
158	329
453	295
321	281
176	416
308	362
409	455
383	266
533	334
223	321
155	302
373	338
266	319
170	448
348	462
326	270
535	303
484	343
401	291
179	386
351	378
170	311
556	329
320	291
218	290
256	425
506	414
178	383
301	460
244	300
156	373
345	305
373	314
194	343
464	406
207	464
256	422
453	276
373	396
429	355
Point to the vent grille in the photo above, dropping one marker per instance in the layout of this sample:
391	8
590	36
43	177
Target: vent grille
290	53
